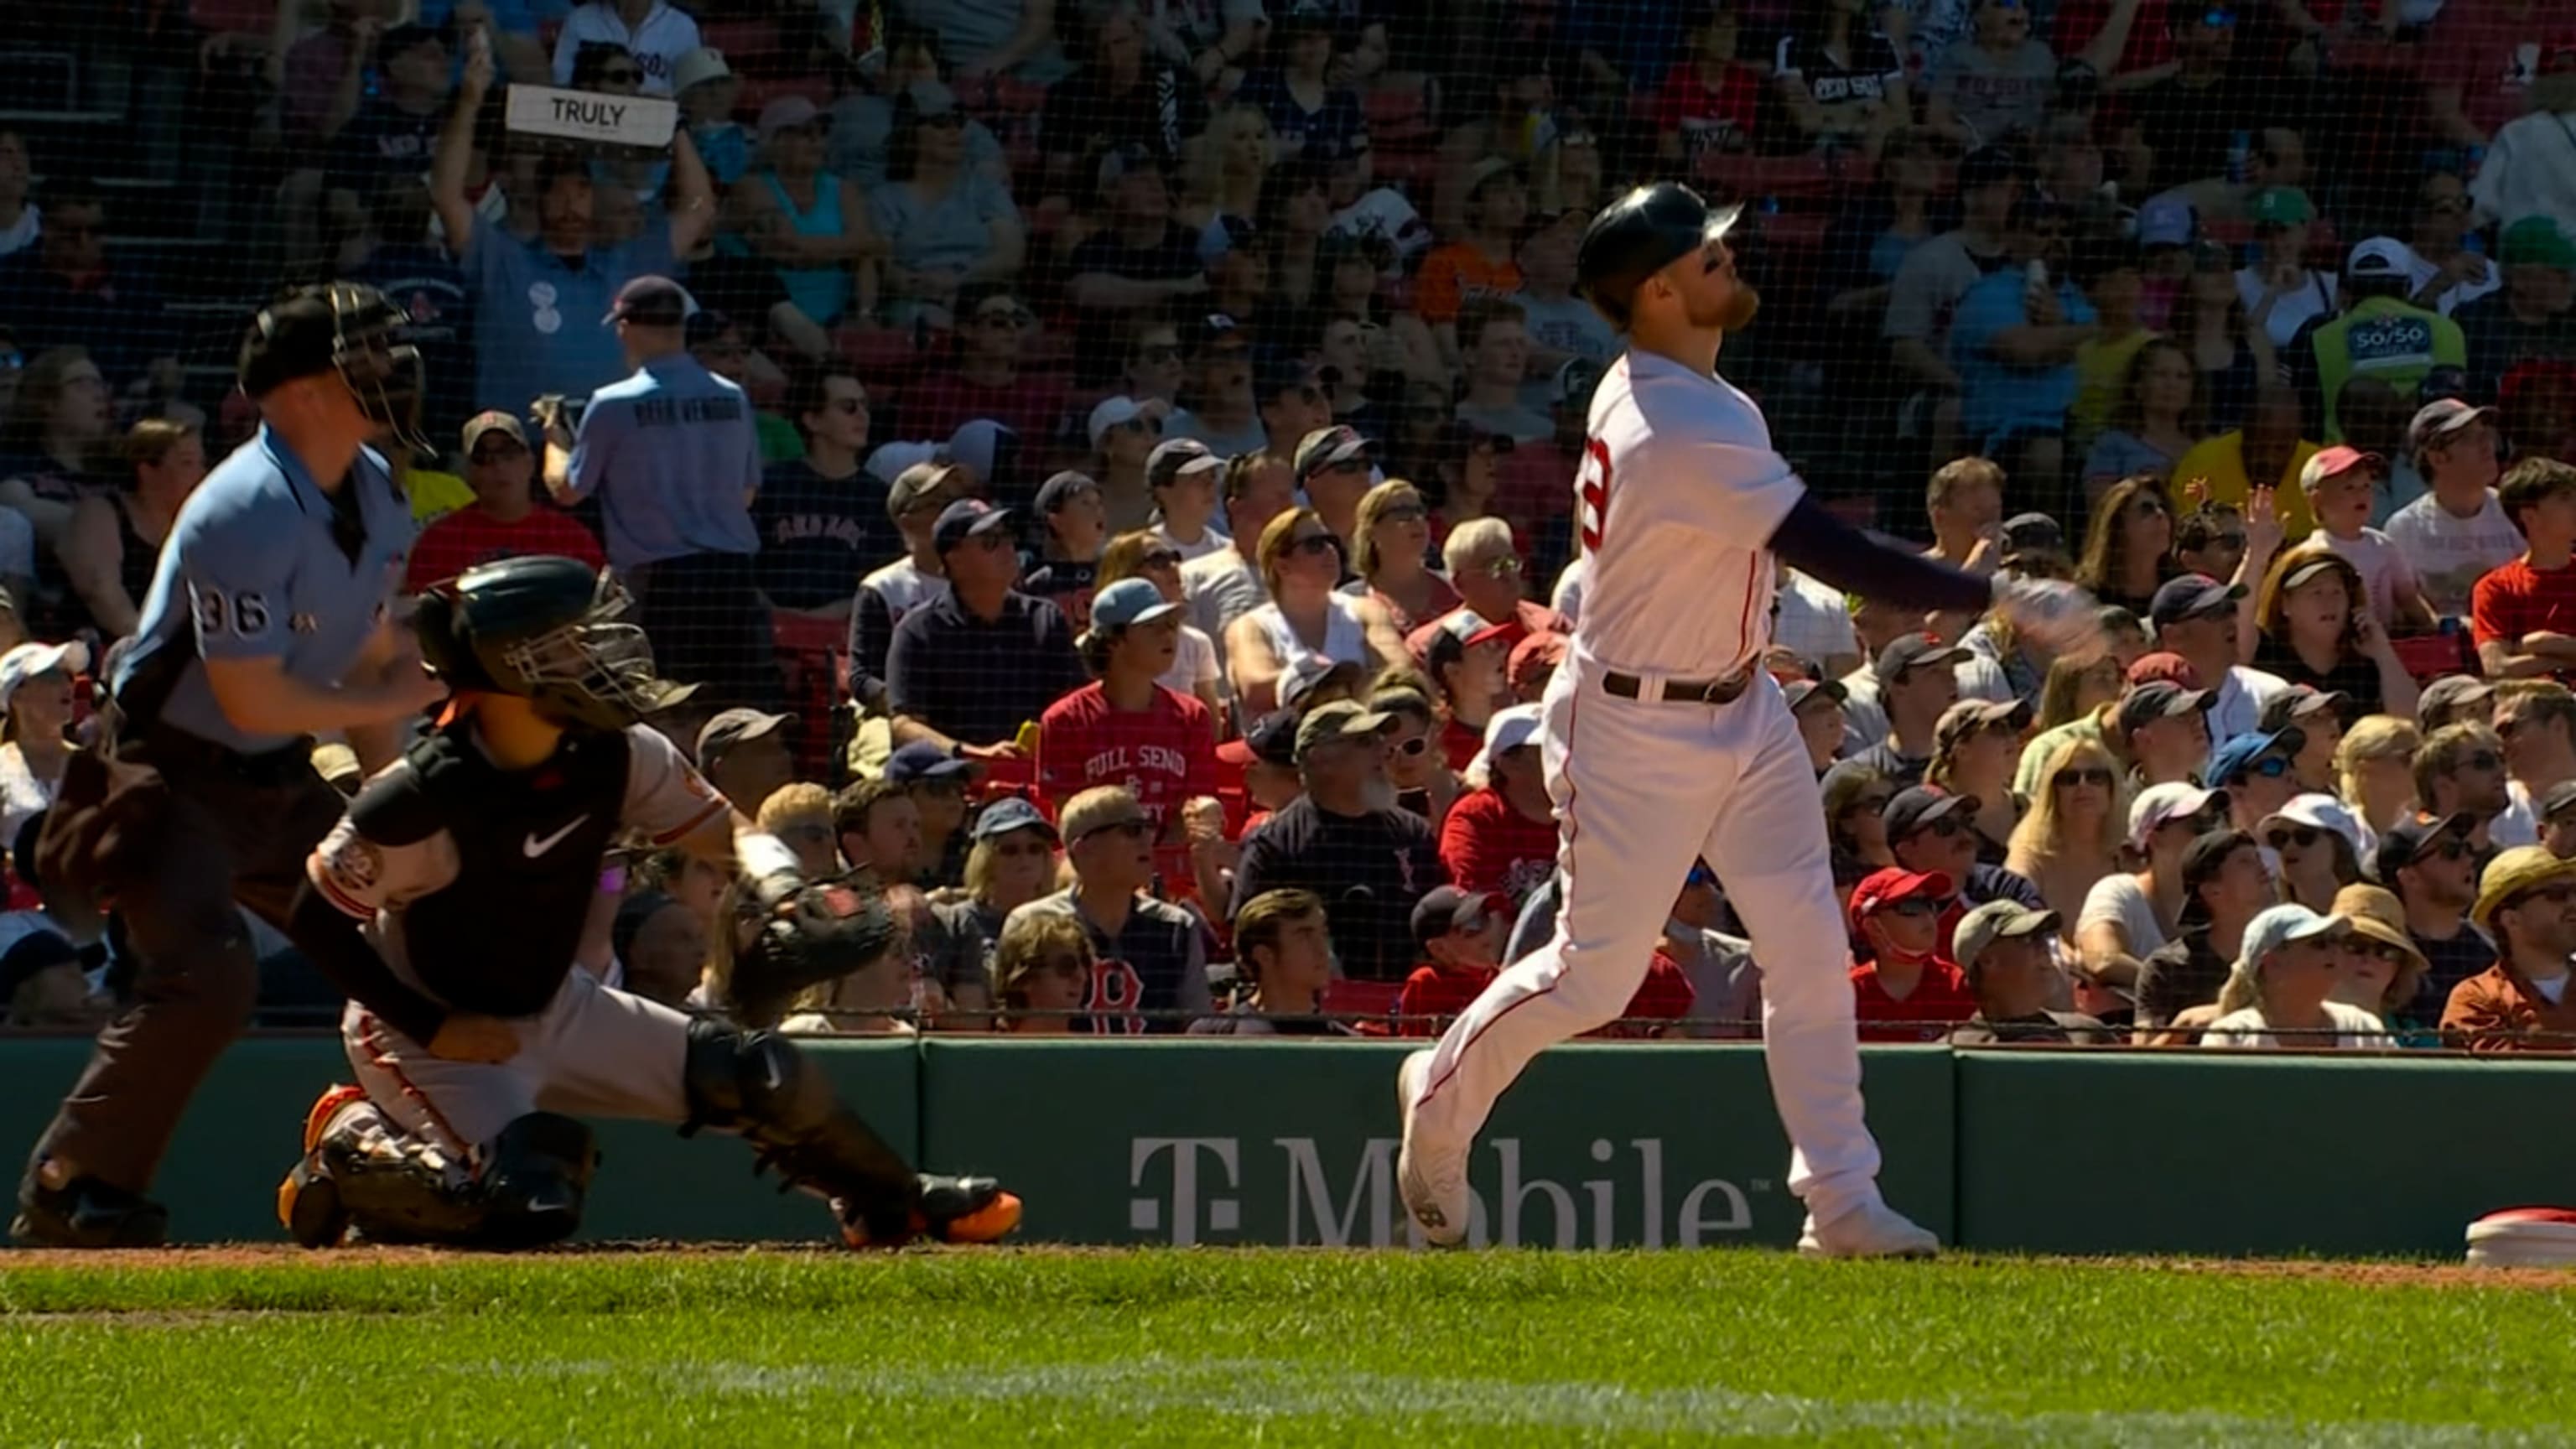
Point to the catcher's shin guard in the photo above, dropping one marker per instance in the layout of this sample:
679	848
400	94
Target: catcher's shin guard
759	1085
535	1178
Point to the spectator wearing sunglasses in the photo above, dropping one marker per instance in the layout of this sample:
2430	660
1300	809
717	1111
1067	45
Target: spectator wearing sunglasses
987	380
2527	900
505	519
1124	436
1501	836
2318	717
2383	970
2004	950
2225	886
1929	833
2318	844
2536	720
822	519
1486	567
656	34
1425	782
1042	971
2459	770
1301	566
2431	862
1909	990
1459	936
1346	840
1011	863
937	783
967	670
1391	544
2070	840
1152	956
1855	817
2256	773
2279	995
2128	916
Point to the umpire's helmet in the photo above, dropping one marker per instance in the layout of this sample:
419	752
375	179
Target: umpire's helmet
548	630
347	329
1639	235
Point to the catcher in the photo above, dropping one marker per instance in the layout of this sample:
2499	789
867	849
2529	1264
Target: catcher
448	903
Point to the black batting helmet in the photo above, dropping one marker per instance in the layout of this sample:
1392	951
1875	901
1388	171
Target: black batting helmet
1639	235
548	630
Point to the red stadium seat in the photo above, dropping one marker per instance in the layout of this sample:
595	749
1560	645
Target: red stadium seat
810	654
745	44
1781	177
760	90
1362	998
2430	656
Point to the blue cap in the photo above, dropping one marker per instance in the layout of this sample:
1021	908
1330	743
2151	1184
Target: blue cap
1129	601
964	519
922	760
2192	596
1007	814
2230	759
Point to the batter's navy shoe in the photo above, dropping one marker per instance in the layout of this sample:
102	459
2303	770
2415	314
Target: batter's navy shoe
951	1210
87	1213
1432	1181
1872	1230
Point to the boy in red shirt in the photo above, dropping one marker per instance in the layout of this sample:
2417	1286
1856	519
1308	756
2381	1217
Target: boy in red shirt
1461	933
504	520
2523	614
1501	836
1899	912
1125	729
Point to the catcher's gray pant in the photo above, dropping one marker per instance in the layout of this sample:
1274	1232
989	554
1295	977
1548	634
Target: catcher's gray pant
595	1051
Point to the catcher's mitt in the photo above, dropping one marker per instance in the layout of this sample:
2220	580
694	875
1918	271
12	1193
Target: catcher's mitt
810	935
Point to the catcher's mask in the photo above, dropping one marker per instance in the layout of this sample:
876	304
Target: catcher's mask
547	630
352	332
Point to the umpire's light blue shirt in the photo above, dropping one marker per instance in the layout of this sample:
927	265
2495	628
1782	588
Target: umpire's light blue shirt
674	454
251	570
536	316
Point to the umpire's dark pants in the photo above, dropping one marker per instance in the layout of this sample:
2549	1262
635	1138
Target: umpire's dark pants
710	627
239	829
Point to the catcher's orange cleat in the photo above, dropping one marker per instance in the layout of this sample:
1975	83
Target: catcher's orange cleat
327	1106
951	1210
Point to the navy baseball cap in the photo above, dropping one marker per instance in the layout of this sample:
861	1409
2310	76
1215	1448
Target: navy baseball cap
922	760
1063	488
964	519
1176	458
2298	702
2158	699
1272	740
1007	814
2192	596
2402	842
2230	759
1447	908
1917	806
1912	650
1330	447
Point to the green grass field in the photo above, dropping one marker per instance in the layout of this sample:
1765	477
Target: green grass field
1241	1347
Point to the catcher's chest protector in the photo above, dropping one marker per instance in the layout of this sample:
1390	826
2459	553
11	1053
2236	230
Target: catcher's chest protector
528	847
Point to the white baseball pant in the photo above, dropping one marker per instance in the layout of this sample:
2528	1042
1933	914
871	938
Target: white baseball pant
1641	788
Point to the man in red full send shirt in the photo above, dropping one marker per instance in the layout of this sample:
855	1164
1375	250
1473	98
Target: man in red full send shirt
1124	729
2523	614
504	520
1501	836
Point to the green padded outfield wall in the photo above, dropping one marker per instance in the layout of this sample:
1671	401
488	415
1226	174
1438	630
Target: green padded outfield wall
1282	1142
1270	1142
2252	1153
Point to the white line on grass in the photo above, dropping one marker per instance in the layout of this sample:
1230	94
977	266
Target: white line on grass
1254	1389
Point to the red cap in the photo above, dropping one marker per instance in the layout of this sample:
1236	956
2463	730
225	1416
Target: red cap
2164	665
1532	658
1890	884
2328	462
2558	52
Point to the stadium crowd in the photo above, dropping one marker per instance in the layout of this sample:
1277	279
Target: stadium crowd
1110	469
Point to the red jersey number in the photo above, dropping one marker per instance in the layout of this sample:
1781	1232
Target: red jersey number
1116	990
1592	494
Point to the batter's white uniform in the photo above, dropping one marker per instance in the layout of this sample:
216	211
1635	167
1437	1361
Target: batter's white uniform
1678	491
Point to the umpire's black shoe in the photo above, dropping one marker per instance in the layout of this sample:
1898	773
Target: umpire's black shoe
87	1213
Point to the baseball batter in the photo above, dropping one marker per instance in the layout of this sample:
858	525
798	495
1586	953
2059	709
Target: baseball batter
1666	741
449	903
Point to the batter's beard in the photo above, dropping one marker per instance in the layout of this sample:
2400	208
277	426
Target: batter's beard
1736	312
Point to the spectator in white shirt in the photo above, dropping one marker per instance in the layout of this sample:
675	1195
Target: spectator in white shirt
655	33
2457	531
2277	996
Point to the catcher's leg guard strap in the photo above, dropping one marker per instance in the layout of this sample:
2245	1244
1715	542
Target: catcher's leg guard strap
760	1085
392	1196
534	1180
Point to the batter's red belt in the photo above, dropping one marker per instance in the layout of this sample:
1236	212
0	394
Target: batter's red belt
1681	691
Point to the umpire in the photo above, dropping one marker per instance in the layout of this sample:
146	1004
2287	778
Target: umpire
673	454
266	624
